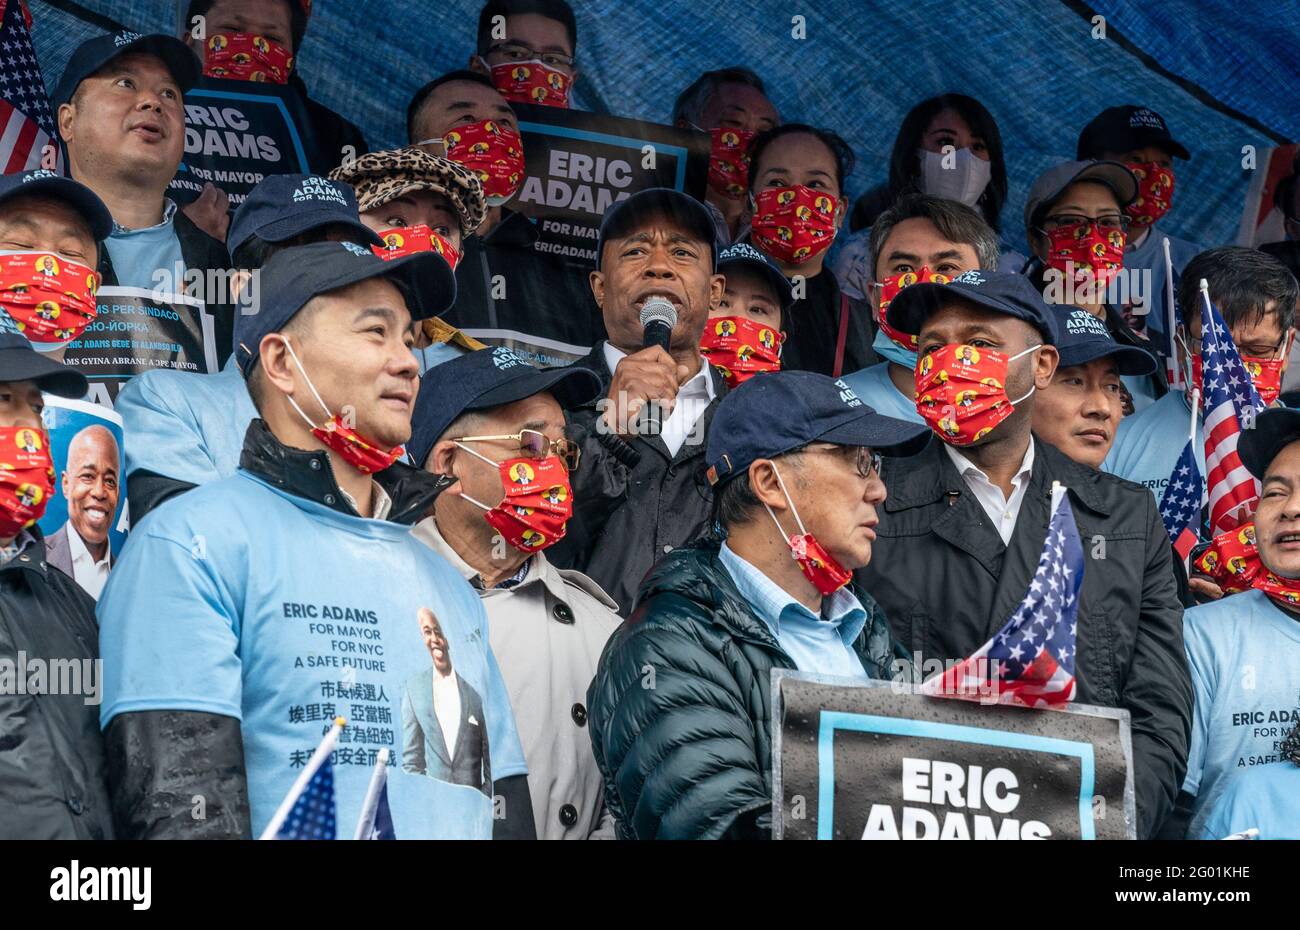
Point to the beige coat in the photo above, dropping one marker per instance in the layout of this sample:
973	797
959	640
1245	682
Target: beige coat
547	634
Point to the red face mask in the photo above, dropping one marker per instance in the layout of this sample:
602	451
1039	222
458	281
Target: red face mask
1088	250
1284	591
412	240
1265	374
1232	559
740	348
818	566
492	152
365	456
1155	192
729	161
242	56
26	478
51	299
537	505
961	391
531	82
793	224
889	289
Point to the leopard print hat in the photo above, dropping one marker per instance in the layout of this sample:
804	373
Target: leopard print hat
380	177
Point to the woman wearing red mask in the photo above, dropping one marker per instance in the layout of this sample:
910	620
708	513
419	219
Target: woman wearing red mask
744	334
796	185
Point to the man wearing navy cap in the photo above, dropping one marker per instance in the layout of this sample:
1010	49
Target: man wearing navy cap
53	781
1257	630
641	495
119	107
293	592
973	509
43	215
1081	409
746	330
188	429
794	458
479	420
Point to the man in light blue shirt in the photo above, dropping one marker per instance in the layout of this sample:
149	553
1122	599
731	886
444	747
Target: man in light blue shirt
918	232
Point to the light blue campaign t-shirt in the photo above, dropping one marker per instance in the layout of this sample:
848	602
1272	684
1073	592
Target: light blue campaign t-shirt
1149	442
1266	798
1244	656
242	600
872	384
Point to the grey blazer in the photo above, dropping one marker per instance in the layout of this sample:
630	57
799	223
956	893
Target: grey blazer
424	750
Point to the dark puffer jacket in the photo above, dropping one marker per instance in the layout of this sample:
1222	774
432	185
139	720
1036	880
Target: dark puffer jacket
680	708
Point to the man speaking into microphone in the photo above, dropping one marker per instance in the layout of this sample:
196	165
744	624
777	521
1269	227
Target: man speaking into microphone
641	490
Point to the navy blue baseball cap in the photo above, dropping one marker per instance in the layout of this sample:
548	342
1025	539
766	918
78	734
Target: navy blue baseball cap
1122	129
93	54
1274	430
1083	338
780	411
286	205
744	255
485	379
20	362
294	276
46	183
624	216
1001	292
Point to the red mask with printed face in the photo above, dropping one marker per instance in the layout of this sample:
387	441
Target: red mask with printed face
1265	374
1089	250
818	565
1155	192
729	161
492	152
538	501
740	348
26	478
793	224
532	82
1232	559
1284	591
412	240
242	56
354	448
50	298
961	391
889	289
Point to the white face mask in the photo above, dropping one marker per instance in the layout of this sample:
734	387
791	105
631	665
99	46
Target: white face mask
964	182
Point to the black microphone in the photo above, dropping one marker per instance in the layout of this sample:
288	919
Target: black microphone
658	316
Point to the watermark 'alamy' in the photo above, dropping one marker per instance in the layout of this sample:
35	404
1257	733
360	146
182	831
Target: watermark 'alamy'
34	675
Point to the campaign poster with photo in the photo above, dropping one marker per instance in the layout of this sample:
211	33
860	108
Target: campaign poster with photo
579	163
862	759
88	511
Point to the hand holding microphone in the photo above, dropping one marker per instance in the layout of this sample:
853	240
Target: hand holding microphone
643	390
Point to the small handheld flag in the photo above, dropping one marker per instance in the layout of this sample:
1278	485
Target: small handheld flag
1180	507
376	820
308	811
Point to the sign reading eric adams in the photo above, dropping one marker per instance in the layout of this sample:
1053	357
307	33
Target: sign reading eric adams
237	133
578	163
858	759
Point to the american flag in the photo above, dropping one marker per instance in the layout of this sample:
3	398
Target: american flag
26	120
1031	660
308	811
1229	398
376	820
1180	507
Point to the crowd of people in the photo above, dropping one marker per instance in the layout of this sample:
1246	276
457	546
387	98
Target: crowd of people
553	595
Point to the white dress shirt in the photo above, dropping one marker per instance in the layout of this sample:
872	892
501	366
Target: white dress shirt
446	705
692	398
1002	510
88	573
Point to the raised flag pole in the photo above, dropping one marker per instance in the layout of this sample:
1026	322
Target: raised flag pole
300	784
366	822
1171	320
1058	492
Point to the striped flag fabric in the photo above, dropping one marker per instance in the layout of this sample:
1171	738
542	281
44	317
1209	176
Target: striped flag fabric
26	120
1230	399
1030	661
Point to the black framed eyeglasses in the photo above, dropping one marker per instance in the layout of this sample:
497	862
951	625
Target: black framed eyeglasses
535	445
517	51
866	461
1108	222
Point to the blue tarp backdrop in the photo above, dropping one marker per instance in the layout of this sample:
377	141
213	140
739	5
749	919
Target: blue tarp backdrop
1224	73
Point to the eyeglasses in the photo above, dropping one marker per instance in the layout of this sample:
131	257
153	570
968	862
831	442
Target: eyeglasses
516	51
1109	221
867	461
535	445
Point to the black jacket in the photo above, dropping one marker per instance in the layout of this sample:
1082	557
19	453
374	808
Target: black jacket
332	134
537	296
687	753
812	329
200	252
159	760
948	584
52	783
633	502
